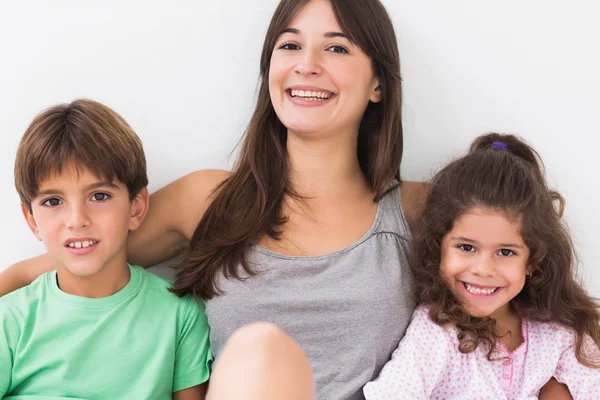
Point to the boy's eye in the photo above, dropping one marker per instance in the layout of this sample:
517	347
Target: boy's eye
466	247
53	202
100	197
506	252
338	49
289	46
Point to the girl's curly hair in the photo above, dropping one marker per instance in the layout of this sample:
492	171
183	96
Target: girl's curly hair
507	178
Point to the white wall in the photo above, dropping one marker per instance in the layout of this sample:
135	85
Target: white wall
184	74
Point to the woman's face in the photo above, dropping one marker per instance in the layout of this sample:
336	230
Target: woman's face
320	82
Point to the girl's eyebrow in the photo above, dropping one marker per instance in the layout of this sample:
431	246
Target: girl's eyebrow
517	246
465	239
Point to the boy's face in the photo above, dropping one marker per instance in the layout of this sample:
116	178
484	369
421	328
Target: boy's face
84	220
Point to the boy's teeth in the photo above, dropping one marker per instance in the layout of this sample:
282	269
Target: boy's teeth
84	244
475	290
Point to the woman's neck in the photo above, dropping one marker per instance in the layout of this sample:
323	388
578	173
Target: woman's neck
325	167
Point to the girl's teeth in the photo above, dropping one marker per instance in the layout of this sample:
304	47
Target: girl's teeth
475	290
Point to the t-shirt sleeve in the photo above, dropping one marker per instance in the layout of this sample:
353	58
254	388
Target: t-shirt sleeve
193	357
583	382
8	339
417	365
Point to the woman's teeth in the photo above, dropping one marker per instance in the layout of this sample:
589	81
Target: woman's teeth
476	290
308	95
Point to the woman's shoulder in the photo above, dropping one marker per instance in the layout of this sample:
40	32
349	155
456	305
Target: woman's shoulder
204	180
185	200
199	186
414	195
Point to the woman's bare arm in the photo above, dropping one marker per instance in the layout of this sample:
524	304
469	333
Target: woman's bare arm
553	390
174	213
414	196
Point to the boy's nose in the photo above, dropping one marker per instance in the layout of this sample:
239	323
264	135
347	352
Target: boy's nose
77	218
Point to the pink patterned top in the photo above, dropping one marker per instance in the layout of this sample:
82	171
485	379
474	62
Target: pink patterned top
428	365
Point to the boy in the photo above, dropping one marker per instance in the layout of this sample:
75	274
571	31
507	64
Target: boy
96	328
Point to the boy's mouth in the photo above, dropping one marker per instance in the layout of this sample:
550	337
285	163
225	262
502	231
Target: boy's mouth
80	244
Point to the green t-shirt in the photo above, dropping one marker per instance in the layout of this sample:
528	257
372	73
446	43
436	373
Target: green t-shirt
140	343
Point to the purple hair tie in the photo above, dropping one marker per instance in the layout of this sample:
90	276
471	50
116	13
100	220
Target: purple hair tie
499	146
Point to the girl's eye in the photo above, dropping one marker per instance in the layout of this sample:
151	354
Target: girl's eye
289	46
506	253
53	202
338	49
100	197
466	247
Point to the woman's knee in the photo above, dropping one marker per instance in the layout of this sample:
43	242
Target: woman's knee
266	345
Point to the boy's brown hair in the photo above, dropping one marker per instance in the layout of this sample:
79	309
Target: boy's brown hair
86	133
503	173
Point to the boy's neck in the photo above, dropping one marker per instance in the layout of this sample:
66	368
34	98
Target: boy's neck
105	283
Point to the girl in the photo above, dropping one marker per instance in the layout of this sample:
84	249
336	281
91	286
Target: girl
500	310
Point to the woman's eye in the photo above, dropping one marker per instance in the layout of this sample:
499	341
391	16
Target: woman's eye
338	49
53	202
289	46
466	247
100	197
506	253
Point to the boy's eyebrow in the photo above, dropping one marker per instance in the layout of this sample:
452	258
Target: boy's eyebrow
465	239
97	185
328	35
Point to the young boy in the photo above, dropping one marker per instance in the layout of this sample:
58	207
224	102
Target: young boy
96	328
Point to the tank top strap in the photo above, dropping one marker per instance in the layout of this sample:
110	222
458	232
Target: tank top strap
391	215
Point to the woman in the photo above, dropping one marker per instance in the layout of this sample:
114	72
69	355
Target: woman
311	229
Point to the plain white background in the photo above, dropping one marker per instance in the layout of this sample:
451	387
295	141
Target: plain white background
184	75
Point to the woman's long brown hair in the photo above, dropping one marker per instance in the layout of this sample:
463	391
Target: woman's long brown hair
511	182
248	204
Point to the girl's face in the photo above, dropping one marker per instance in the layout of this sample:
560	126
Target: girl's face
319	81
484	261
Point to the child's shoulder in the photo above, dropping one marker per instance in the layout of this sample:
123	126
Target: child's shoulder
551	333
18	304
157	289
422	323
25	296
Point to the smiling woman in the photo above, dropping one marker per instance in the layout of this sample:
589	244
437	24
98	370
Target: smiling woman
312	66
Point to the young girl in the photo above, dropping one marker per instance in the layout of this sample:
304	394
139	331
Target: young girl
500	309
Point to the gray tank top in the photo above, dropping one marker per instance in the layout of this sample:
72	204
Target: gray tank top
347	309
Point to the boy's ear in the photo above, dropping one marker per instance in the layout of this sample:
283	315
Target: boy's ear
139	209
30	221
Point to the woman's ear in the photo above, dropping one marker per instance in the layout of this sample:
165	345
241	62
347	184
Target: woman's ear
375	95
